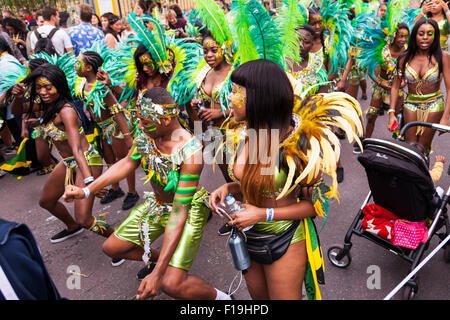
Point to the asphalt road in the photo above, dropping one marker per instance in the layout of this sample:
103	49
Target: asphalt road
101	281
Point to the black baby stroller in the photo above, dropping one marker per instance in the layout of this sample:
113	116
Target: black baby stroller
400	182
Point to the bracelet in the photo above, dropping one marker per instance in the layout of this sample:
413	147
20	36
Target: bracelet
41	121
86	191
391	110
88	180
269	214
447	12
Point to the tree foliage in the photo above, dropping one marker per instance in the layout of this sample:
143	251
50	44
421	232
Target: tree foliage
16	5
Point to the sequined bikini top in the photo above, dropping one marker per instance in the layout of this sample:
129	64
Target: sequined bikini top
54	133
432	76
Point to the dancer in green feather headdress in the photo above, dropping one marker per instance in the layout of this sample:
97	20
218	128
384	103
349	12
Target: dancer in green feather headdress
380	48
114	122
202	85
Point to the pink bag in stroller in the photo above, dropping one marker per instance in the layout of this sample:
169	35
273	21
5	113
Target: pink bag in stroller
409	234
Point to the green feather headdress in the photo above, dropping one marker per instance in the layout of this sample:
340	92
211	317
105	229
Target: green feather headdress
291	16
213	17
12	75
256	33
335	20
155	41
66	63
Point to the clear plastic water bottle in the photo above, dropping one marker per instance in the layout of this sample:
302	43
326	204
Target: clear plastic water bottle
234	206
238	248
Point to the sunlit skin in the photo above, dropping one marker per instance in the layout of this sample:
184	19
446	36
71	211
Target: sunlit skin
212	53
147	126
315	22
46	90
425	36
238	99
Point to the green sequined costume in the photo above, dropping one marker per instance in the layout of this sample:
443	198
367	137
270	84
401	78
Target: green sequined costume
147	221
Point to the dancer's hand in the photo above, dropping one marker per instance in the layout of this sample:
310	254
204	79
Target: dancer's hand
340	86
247	217
101	193
218	196
103	77
32	123
72	193
19	90
392	120
209	114
440	158
149	287
195	103
444	6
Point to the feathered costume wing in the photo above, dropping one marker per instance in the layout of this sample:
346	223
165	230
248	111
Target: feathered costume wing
314	149
292	15
340	31
13	75
257	35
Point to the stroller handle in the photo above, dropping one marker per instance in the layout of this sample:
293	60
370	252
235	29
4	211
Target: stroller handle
435	126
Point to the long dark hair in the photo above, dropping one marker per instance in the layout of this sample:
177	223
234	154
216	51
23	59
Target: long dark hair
18	26
112	19
269	104
270	99
434	51
57	77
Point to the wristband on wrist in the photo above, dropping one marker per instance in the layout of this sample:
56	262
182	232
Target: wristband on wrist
447	12
269	214
391	110
88	180
86	191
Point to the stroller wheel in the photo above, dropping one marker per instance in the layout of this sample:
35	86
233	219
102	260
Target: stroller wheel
408	293
339	257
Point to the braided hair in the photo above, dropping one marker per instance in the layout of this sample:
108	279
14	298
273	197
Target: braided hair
93	59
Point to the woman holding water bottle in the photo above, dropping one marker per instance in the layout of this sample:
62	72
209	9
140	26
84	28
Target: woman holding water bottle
276	243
